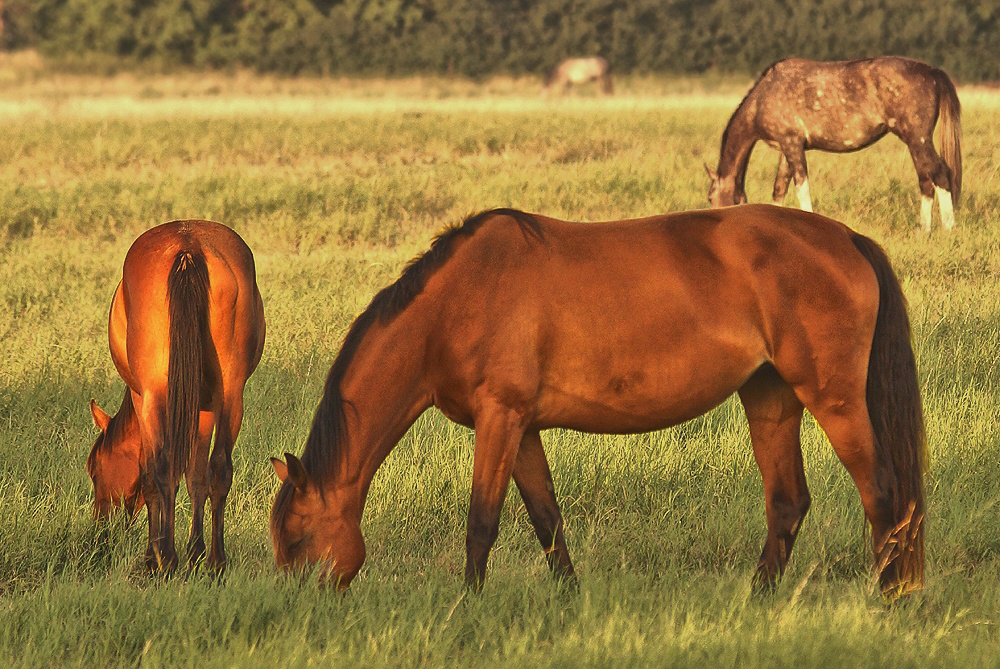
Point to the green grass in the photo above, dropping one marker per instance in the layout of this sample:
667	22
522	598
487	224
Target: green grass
335	185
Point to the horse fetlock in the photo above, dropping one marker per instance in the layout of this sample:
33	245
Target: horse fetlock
765	578
196	550
802	190
946	206
217	562
926	206
481	536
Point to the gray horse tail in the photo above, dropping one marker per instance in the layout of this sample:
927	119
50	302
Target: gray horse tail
950	124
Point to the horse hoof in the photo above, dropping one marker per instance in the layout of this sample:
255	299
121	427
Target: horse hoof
764	582
217	566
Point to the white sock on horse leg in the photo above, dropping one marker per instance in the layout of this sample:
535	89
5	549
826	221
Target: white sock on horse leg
802	190
947	210
926	204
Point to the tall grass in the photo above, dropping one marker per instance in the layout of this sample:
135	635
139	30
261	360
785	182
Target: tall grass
335	185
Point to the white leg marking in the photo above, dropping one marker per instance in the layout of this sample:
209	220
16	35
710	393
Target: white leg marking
945	205
926	203
802	190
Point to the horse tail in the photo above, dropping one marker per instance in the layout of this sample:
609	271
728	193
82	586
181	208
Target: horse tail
187	296
894	406
950	124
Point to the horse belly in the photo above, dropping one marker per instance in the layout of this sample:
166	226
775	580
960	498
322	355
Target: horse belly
849	135
654	391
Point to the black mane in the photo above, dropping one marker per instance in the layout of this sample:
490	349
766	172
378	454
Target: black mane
323	450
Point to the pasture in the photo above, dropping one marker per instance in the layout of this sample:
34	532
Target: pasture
335	185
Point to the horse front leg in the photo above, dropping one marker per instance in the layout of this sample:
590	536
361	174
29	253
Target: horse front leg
781	179
157	488
774	415
154	514
498	436
796	155
534	481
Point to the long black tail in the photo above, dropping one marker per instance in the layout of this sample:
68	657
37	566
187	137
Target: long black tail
893	397
187	296
950	124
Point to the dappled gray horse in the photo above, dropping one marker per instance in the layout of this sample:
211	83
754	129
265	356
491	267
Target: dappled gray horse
575	71
845	106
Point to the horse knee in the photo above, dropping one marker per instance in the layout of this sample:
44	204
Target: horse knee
788	513
801	509
221	477
805	501
481	535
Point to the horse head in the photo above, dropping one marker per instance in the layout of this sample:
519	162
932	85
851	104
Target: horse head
313	527
113	464
723	191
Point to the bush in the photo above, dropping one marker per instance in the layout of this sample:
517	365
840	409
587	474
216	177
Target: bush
481	37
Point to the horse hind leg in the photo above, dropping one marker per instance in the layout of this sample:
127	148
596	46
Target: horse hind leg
197	478
934	178
946	206
221	478
849	429
840	406
534	481
774	415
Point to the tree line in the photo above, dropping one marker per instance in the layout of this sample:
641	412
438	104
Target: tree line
476	38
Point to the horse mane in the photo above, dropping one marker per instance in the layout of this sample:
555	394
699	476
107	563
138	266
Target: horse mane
115	432
742	104
323	449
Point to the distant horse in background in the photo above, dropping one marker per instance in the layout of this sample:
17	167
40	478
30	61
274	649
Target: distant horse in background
186	331
798	105
576	71
513	323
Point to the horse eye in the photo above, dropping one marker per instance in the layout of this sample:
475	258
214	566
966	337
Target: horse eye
295	544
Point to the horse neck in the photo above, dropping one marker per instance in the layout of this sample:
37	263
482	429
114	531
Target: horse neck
737	143
125	426
383	393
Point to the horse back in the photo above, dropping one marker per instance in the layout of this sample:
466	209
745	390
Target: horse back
645	322
843	105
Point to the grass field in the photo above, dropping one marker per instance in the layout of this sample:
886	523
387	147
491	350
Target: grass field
335	185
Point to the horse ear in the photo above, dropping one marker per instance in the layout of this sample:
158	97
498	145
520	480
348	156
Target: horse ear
280	468
296	472
101	419
712	174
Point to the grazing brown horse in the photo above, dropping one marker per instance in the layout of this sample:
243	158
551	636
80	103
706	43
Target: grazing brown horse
513	323
186	331
576	71
798	105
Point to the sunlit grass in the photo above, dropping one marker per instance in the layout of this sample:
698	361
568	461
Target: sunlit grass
335	184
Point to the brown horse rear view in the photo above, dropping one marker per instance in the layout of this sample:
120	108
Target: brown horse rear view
513	323
797	105
186	331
